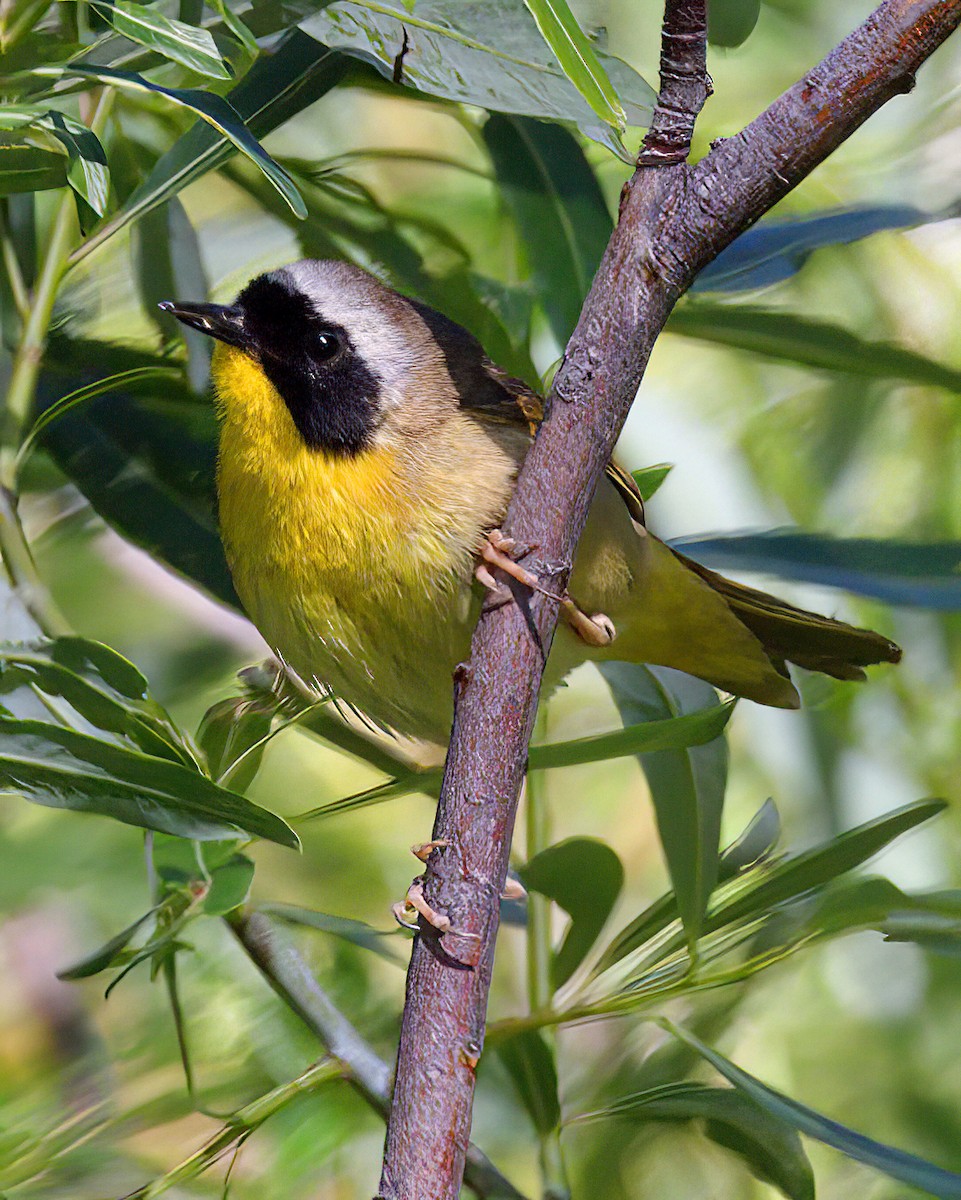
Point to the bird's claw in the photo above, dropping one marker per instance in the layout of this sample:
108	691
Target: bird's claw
409	911
502	551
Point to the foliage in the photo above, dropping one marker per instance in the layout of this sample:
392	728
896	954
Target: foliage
134	166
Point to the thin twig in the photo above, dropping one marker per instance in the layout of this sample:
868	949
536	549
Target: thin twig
288	974
685	84
674	219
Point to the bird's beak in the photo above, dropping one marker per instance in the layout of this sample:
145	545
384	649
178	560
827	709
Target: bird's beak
220	321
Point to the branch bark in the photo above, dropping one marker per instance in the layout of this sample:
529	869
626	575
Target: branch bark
361	1065
674	219
685	84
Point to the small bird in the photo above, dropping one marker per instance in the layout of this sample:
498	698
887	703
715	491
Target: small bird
368	450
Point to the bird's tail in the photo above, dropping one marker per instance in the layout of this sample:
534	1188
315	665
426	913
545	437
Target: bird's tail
790	634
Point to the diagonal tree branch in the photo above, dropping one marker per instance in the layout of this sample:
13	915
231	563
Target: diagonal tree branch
685	84
287	973
674	219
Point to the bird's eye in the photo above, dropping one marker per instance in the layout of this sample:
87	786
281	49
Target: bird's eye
326	346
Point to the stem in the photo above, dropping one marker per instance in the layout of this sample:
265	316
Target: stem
21	570
674	219
26	364
22	388
287	973
685	84
11	265
240	1126
540	989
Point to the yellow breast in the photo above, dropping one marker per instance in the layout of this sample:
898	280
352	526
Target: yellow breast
351	571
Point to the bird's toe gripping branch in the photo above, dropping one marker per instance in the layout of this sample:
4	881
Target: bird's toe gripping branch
503	552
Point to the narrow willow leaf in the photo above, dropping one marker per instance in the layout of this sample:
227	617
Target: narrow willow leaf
807	342
897	1164
28	169
813	868
103	957
214	109
584	877
232	730
754	845
186	44
553	195
687	784
229	886
84	674
751	847
145	462
775	249
649	479
700	727
530	1063
278	86
490	54
769	1146
577	58
358	932
921	574
60	768
674	733
730	22
87	171
123	379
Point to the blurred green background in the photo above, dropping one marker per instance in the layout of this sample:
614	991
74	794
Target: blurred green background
865	1031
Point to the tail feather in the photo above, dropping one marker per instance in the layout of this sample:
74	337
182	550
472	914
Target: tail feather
790	634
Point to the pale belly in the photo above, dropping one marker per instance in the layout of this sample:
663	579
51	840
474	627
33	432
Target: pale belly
392	663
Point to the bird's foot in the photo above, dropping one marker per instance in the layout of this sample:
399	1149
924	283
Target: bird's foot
423	850
414	906
502	551
597	629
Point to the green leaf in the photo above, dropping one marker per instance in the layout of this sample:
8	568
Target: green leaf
769	1146
897	1164
730	22
574	52
699	727
358	932
489	54
687	785
84	674
777	248
278	86
170	263
232	737
145	463
122	380
103	957
87	173
751	847
584	877
530	1063
755	843
215	110
60	768
229	886
813	868
649	479
553	195
678	732
28	169
920	574
808	343
186	44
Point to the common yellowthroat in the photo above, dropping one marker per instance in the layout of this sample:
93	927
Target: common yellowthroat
368	447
